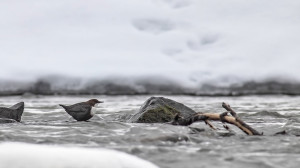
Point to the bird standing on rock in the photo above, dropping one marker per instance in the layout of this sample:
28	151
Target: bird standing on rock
81	111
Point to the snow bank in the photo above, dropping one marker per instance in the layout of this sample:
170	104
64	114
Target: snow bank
21	155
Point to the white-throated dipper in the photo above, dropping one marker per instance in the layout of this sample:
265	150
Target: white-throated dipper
81	111
14	112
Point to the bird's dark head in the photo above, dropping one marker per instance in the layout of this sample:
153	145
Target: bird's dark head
92	102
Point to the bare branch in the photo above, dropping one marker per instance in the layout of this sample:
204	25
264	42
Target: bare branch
229	109
246	126
210	125
217	117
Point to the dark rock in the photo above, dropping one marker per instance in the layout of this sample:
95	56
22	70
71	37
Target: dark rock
251	88
160	110
14	112
146	85
41	87
109	88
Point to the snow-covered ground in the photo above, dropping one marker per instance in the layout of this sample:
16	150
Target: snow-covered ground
189	41
22	155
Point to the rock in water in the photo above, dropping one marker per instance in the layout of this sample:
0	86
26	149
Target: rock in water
160	110
12	113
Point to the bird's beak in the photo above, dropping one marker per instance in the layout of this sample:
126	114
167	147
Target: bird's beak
97	104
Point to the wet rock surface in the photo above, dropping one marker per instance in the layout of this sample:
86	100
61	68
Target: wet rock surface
7	115
160	110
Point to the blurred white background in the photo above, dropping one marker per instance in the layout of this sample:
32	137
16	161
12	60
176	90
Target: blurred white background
191	41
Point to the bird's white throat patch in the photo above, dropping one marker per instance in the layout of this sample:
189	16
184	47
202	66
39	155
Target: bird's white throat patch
97	105
93	111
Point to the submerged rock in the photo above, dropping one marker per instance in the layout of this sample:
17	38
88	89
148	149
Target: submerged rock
160	110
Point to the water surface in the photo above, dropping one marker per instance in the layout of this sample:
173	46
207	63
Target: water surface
44	122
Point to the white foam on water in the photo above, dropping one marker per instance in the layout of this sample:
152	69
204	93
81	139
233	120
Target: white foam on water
21	155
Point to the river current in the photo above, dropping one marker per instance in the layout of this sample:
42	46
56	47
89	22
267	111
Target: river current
167	146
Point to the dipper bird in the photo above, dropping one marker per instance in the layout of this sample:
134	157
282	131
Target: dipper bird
81	111
14	112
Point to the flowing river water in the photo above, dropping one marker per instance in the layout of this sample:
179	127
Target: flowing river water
167	146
